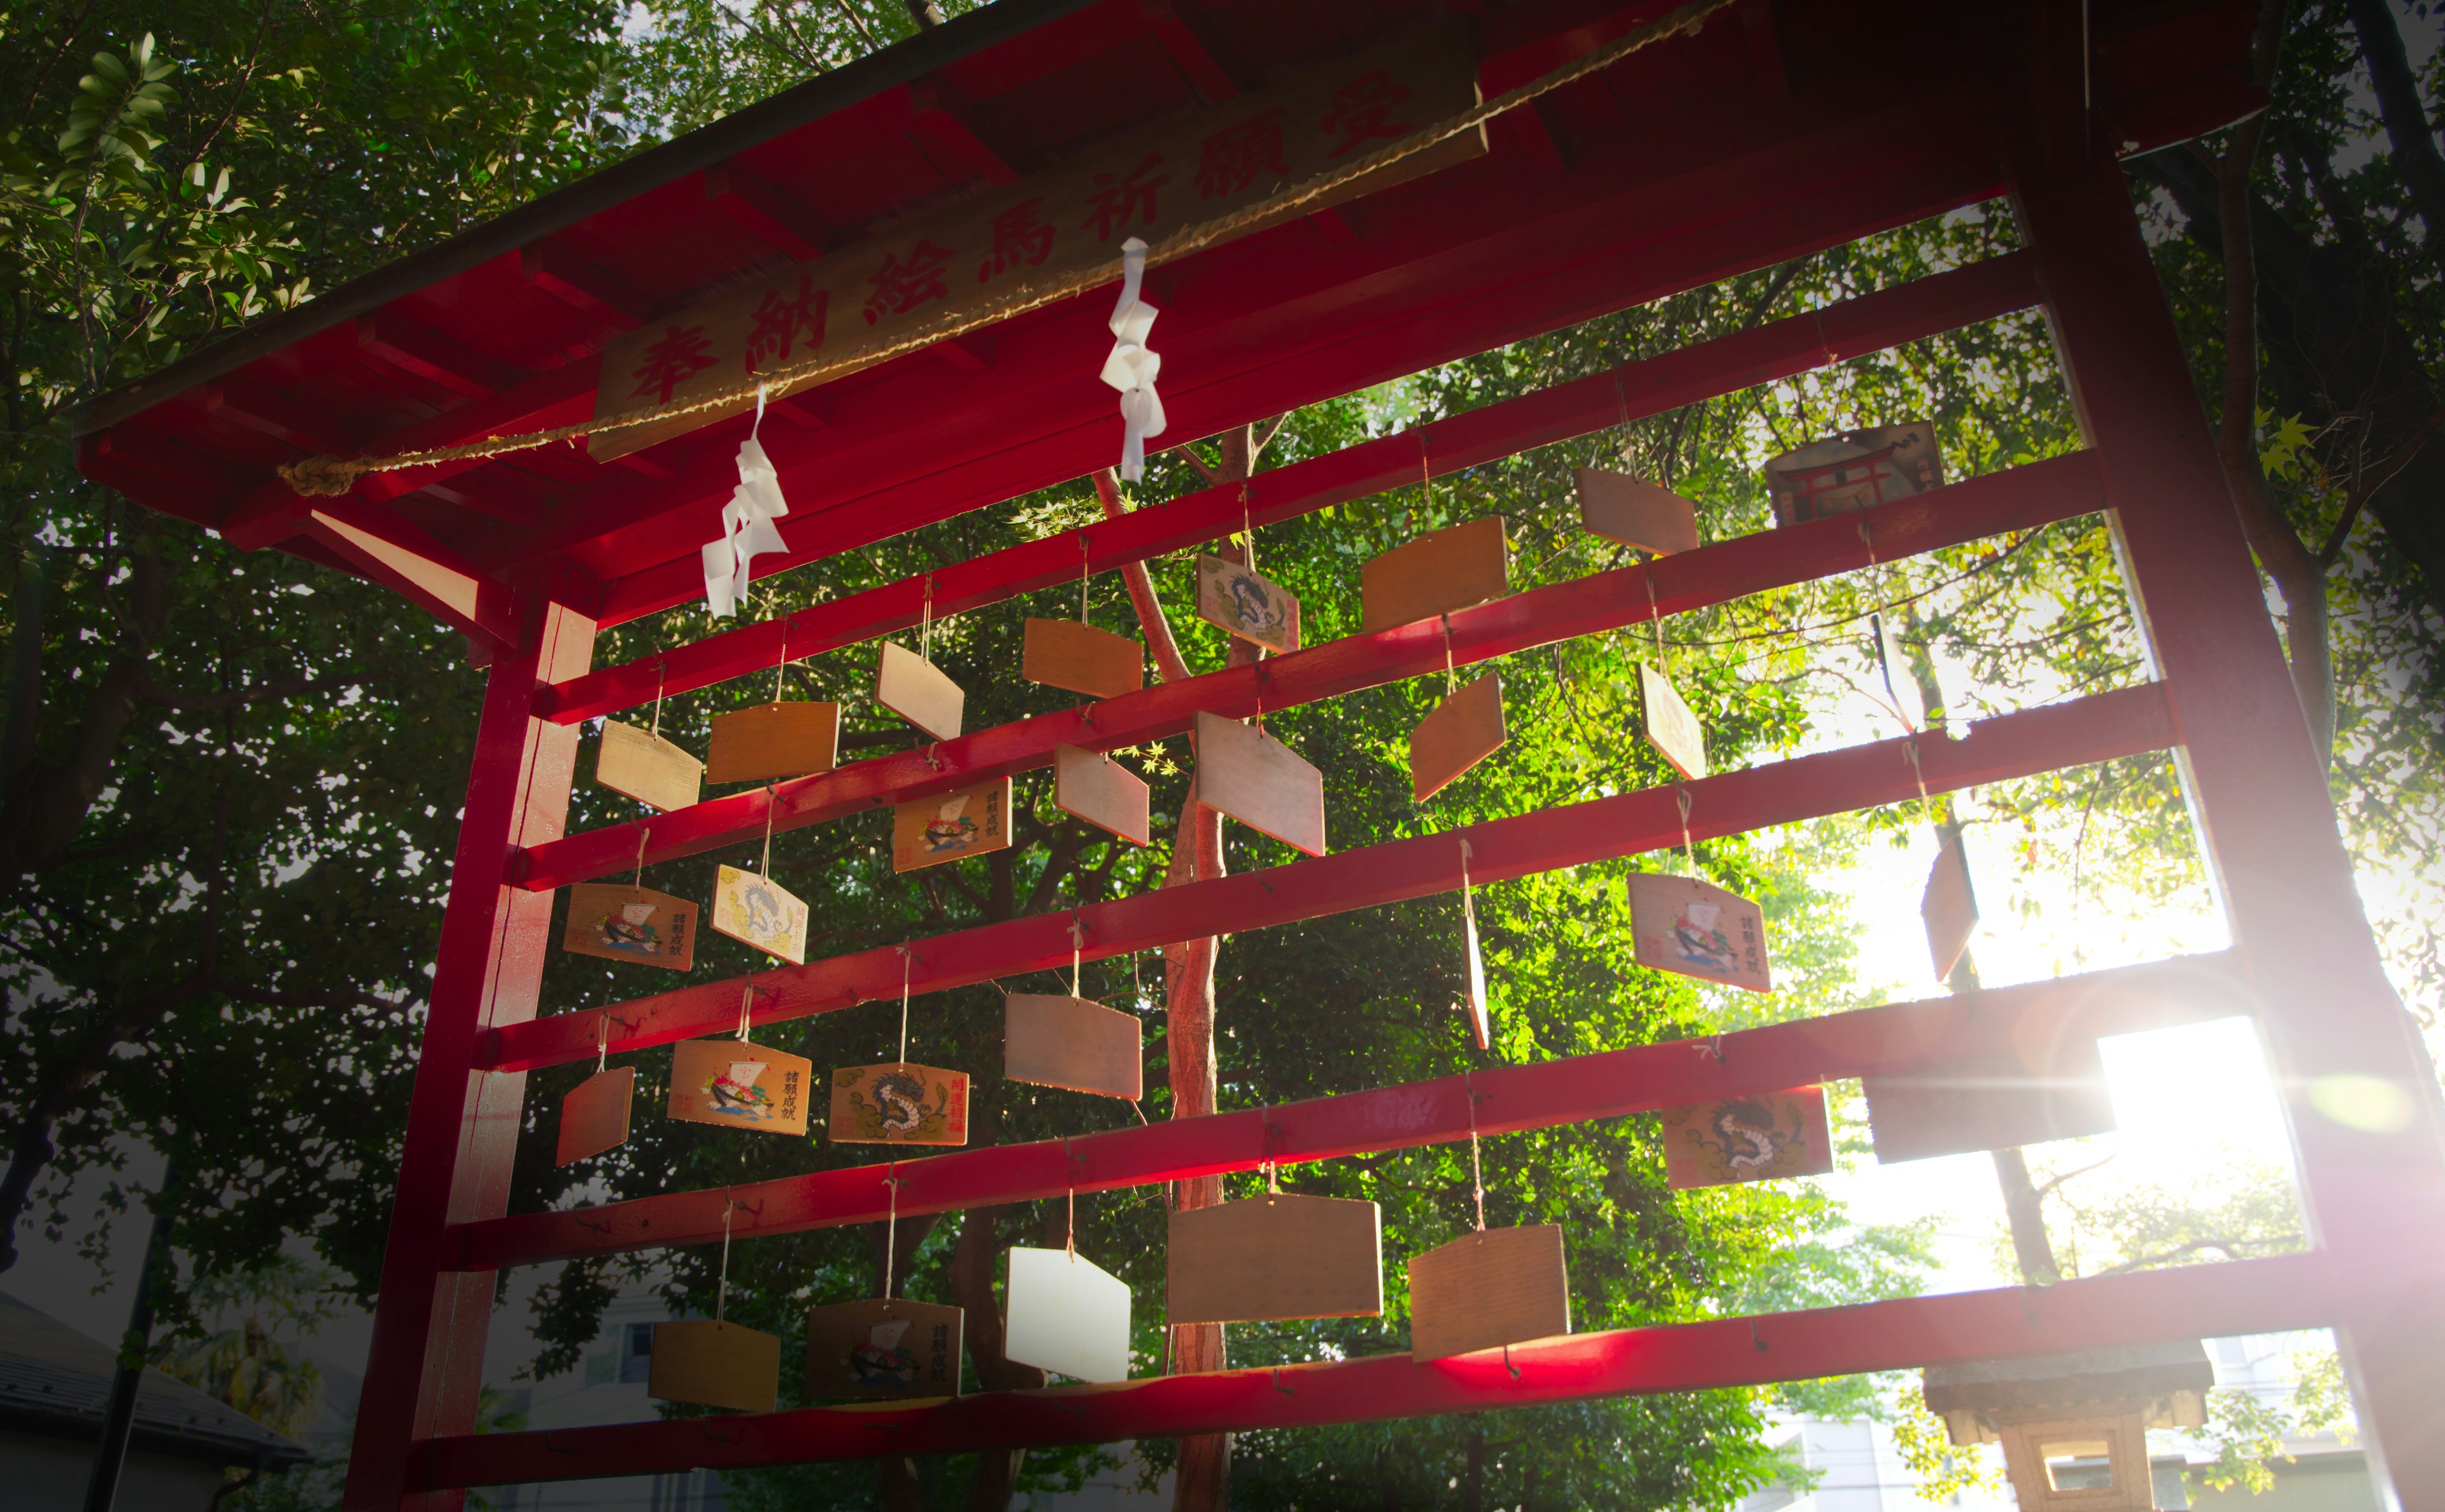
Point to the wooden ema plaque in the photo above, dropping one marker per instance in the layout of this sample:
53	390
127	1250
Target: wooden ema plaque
1091	786
630	923
951	826
1067	1315
2041	1093
1950	907
1474	1003
1672	728
756	909
1465	729
1256	780
709	1364
1242	602
645	767
1484	1290
1074	1044
1857	470
919	692
1698	929
1278	1256
1439	572
1639	515
733	1084
1765	1137
884	1349
594	1115
770	741
1082	659
898	1103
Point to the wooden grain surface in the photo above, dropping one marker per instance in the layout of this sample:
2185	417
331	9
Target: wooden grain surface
919	692
1638	515
1071	1043
1767	1136
899	1103
645	767
1670	725
1697	930
1473	1003
1082	659
1484	1290
1067	1315
619	922
1244	602
755	909
1463	730
731	1083
1444	570
950	825
594	1115
710	1364
883	1349
1949	907
2038	1094
1257	780
792	739
1091	786
1285	1254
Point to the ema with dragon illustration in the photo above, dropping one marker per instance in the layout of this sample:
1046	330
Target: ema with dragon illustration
899	1103
1762	1137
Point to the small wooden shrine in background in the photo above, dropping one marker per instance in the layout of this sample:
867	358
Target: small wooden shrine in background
2073	1428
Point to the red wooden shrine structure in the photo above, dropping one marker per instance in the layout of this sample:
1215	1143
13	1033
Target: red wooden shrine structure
1781	127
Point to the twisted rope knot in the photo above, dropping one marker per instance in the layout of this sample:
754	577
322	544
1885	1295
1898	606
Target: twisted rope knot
322	476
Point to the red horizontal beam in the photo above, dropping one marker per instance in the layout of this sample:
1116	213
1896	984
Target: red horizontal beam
1777	350
2097	728
2019	498
1613	1083
2195	1302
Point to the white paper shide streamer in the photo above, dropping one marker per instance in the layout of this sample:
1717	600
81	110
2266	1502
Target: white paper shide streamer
747	525
1131	369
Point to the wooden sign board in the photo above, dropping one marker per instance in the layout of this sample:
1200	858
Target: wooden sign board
770	740
756	909
898	1103
1091	786
645	767
733	1084
1698	929
1855	470
1487	1289
1256	780
1279	1256
1672	728
919	692
1480	1023
1065	654
1438	572
951	826
1067	1315
710	1364
2056	1091
1242	602
1950	907
594	1115
630	923
1748	1139
884	1349
1465	729
1896	683
1640	516
1071	1043
851	302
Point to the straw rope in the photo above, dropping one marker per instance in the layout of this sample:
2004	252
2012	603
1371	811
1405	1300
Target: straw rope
328	476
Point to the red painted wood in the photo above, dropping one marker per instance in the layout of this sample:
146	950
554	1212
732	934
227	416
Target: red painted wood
2282	1292
1612	1083
1636	390
2020	498
2098	728
427	1358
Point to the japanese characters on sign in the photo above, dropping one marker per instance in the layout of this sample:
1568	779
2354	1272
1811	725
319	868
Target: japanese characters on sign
1695	928
1149	183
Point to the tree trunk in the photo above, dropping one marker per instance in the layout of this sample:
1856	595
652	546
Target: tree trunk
972	1283
2407	129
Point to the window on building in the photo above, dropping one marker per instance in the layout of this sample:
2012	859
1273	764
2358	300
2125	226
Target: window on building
635	1353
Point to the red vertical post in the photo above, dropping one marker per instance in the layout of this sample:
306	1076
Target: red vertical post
2356	1082
427	1362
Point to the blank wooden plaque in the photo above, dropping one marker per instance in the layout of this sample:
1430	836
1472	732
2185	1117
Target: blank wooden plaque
1950	906
1765	1137
1065	654
1066	1313
1465	729
919	692
1474	1004
1700	930
899	1103
1274	1256
647	766
1259	781
1244	602
630	923
759	911
951	826
1484	1290
712	1364
1672	728
1071	1043
1439	572
792	739
1091	786
1991	1102
1621	507
885	1349
733	1084
594	1115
